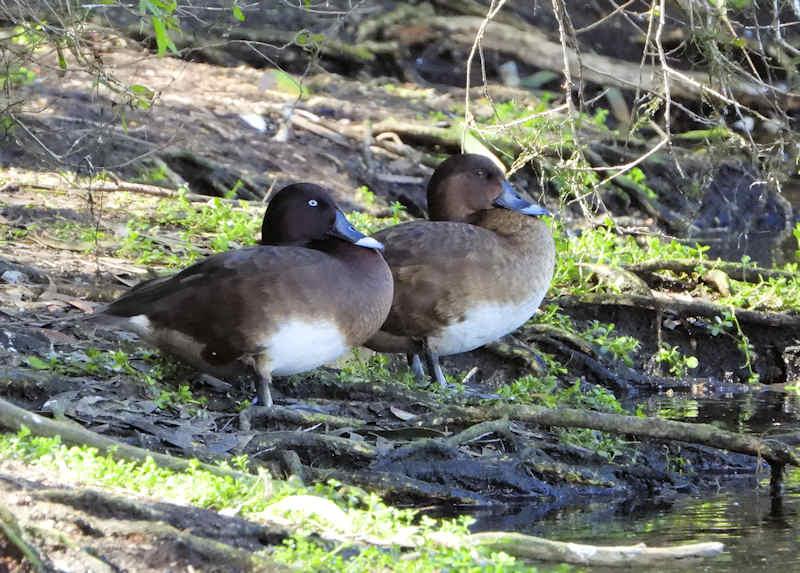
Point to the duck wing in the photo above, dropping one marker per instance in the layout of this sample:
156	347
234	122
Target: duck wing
437	267
228	301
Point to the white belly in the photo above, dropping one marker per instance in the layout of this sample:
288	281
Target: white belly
483	324
296	347
299	346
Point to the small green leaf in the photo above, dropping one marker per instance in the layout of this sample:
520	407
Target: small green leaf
302	38
37	363
144	96
286	83
474	145
237	13
163	41
691	362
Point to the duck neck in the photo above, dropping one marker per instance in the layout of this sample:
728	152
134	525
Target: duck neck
346	251
513	226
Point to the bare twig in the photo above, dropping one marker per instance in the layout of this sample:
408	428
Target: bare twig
494	8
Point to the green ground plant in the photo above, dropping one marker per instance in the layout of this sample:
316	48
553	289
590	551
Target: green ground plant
606	245
675	361
90	362
373	368
402	539
599	334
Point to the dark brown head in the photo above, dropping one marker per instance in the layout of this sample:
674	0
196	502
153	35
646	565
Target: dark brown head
303	213
465	185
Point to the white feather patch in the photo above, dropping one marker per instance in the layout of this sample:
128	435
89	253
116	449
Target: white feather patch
300	345
484	324
140	324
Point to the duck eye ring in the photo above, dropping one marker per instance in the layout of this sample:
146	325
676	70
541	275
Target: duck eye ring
313	203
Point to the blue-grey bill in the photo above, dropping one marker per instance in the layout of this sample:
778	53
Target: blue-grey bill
510	199
344	229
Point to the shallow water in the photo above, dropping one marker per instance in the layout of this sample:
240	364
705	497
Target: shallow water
760	532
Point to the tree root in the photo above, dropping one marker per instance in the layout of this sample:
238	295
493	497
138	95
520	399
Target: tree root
621	379
298	417
398	487
207	549
480	430
619	385
619	279
509	348
111	506
14	418
554	332
674	221
682	307
10	529
736	271
279	441
55	182
776	453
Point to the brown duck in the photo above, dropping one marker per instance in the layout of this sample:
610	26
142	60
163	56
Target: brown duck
476	271
315	288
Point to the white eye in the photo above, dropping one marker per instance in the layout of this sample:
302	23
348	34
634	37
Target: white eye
313	203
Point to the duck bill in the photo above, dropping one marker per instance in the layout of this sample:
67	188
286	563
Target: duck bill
343	229
510	199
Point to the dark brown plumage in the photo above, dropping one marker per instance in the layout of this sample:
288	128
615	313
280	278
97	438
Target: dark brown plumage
298	301
477	271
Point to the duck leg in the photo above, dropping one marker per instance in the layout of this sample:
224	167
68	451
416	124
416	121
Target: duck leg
434	368
415	364
263	395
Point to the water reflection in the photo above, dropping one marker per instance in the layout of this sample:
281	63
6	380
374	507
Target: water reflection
768	411
760	532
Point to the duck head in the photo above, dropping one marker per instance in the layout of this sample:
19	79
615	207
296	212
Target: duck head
465	185
304	213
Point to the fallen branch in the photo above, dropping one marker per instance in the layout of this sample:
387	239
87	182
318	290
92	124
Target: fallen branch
640	555
54	182
531	45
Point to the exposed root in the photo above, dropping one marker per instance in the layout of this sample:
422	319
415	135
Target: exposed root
279	441
12	533
683	307
13	418
772	451
299	417
736	271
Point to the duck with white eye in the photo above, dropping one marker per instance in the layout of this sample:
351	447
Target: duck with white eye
312	289
343	223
